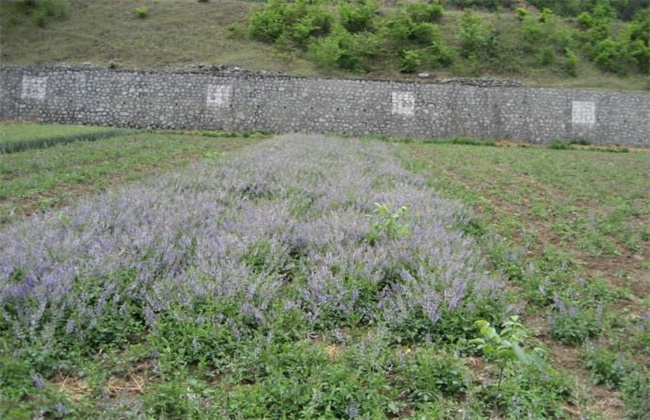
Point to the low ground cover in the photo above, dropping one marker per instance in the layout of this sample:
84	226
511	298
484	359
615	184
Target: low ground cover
311	276
40	179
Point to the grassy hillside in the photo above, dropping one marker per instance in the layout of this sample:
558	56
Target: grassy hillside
177	32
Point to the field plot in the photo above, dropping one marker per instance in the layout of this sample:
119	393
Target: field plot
23	136
317	277
40	179
578	222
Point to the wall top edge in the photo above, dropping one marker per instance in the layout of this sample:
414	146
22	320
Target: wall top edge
245	74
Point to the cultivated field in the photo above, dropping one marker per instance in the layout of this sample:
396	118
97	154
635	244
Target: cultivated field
308	276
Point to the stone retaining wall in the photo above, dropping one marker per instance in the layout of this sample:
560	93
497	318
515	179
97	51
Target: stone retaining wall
277	103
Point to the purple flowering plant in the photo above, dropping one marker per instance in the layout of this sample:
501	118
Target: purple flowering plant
296	235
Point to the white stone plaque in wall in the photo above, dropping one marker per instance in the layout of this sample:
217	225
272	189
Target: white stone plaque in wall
404	103
583	113
218	95
34	88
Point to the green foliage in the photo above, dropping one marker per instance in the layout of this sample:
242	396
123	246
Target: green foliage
546	16
491	5
527	384
522	12
560	145
636	394
571	63
424	12
388	224
398	29
586	20
505	348
42	10
575	324
547	56
477	36
358	17
201	337
290	23
299	380
142	12
407	39
173	400
439	54
341	49
624	9
425	33
411	60
612	56
426	376
606	367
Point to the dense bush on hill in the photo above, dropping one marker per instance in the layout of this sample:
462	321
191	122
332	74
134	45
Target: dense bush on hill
361	36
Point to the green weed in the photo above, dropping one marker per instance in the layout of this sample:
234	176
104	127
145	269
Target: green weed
142	12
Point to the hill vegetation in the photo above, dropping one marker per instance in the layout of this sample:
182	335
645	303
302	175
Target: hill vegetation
588	44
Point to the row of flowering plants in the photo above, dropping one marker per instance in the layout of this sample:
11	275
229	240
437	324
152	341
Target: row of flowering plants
298	237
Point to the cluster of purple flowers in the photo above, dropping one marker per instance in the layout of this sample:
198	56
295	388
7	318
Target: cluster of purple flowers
292	214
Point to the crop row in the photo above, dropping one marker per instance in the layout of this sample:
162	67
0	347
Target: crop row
302	233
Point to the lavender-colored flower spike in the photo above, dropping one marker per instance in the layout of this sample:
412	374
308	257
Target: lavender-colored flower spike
282	226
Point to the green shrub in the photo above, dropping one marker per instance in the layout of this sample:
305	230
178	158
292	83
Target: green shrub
429	375
571	63
425	33
41	10
142	12
398	30
483	4
606	367
636	394
290	24
267	25
477	36
343	50
171	400
546	16
522	13
546	57
424	12
439	55
533	31
585	20
617	56
358	17
40	18
410	61
636	34
574	324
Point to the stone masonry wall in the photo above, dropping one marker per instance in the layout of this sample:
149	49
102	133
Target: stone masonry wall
292	104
